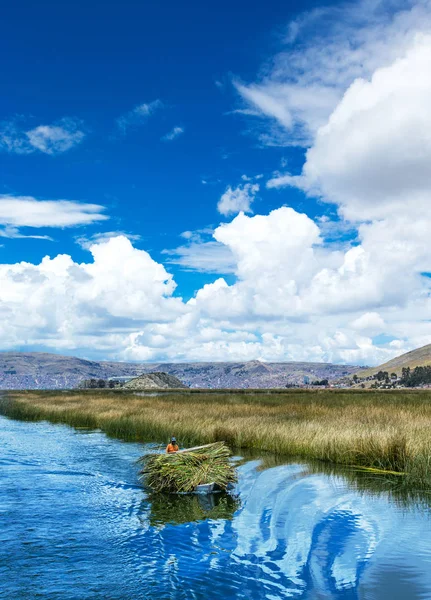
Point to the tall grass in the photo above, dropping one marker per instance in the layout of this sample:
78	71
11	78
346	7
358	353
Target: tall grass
388	430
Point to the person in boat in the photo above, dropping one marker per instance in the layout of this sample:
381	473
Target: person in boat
172	446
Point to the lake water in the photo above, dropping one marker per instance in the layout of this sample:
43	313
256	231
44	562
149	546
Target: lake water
76	524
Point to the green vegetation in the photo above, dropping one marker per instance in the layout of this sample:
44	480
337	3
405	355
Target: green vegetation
410	378
387	430
183	471
419	376
322	382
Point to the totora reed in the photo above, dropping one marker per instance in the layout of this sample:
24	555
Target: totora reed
184	471
385	430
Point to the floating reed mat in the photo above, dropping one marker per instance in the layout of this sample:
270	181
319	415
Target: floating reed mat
183	471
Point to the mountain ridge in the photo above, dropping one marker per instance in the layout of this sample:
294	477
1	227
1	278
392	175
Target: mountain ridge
42	370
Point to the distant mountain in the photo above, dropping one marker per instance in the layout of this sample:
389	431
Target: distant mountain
39	370
415	358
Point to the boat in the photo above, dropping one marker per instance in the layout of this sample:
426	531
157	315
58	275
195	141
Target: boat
177	472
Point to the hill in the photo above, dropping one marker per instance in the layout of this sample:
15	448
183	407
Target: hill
39	370
415	358
157	381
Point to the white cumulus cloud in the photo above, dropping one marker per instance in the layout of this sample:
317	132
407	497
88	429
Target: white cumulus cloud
372	156
235	200
122	303
62	303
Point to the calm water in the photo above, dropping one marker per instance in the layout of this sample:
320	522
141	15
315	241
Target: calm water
76	524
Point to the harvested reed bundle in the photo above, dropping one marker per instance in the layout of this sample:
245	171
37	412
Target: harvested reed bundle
183	471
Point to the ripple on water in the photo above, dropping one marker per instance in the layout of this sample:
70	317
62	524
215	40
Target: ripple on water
76	524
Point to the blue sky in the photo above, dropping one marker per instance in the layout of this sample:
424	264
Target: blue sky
262	158
96	63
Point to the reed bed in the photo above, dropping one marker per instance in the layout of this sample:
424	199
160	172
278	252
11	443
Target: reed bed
387	430
184	471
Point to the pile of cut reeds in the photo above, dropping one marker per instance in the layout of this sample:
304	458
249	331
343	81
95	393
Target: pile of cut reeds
183	471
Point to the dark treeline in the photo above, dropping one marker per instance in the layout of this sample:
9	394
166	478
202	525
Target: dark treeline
323	382
419	376
99	383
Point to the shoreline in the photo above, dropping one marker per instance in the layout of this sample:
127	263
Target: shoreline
386	430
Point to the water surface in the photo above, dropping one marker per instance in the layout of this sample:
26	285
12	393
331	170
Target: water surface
76	524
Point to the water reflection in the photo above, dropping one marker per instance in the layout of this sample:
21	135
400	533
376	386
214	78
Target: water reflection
185	508
394	487
77	524
298	534
299	537
310	535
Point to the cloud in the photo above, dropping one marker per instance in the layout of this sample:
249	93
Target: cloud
300	288
62	302
201	253
274	255
324	52
267	103
26	211
198	235
173	134
371	322
247	178
371	160
369	149
203	257
55	139
14	233
235	200
249	112
86	242
49	139
210	181
292	300
372	156
138	115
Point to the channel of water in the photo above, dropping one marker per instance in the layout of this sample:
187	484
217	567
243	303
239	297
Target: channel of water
77	524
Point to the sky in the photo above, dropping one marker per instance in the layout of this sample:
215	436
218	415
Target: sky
194	182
